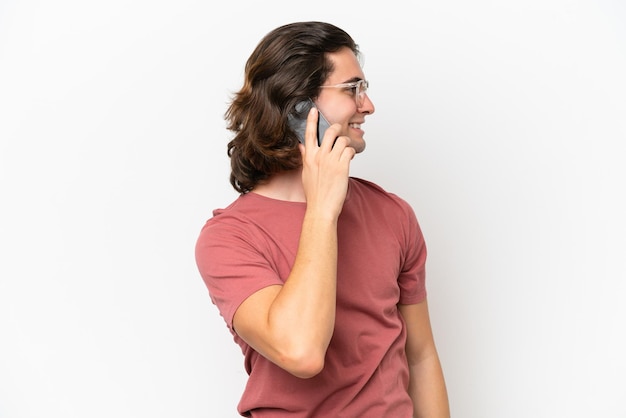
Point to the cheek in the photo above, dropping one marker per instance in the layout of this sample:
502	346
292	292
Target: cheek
339	114
337	109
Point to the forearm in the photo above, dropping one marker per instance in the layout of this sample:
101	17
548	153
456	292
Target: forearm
427	388
302	317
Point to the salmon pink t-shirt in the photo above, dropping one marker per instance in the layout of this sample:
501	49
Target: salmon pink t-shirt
252	244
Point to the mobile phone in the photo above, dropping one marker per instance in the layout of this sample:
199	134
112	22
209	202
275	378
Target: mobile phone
297	120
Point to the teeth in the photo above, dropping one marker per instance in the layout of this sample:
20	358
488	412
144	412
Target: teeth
355	125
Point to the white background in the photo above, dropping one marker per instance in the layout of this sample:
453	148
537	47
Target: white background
502	123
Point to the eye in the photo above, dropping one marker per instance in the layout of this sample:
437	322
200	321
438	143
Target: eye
352	88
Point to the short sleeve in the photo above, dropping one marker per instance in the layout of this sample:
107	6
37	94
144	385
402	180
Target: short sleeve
232	265
412	278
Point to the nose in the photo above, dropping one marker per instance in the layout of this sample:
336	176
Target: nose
368	106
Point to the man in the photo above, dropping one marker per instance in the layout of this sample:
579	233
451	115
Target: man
319	276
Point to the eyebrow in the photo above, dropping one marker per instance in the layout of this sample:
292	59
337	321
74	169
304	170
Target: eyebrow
352	80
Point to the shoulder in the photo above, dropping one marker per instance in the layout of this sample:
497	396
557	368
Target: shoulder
244	211
372	200
249	221
361	189
229	227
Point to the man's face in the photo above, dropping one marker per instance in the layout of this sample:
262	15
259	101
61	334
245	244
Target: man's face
339	105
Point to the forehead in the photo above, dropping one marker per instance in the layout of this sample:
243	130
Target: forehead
346	65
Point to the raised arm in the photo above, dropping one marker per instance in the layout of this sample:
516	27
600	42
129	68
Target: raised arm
292	324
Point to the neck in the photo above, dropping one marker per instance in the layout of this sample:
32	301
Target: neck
283	186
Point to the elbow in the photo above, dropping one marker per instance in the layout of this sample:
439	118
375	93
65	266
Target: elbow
307	370
305	365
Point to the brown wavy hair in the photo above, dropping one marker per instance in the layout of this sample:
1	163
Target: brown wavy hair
287	66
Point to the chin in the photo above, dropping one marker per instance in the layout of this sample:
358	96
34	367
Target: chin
359	147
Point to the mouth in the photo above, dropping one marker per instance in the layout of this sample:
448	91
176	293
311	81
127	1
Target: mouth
355	125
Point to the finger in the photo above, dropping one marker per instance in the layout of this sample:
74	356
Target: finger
347	154
310	133
330	137
340	143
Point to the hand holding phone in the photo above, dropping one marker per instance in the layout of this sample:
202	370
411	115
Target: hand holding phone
297	121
